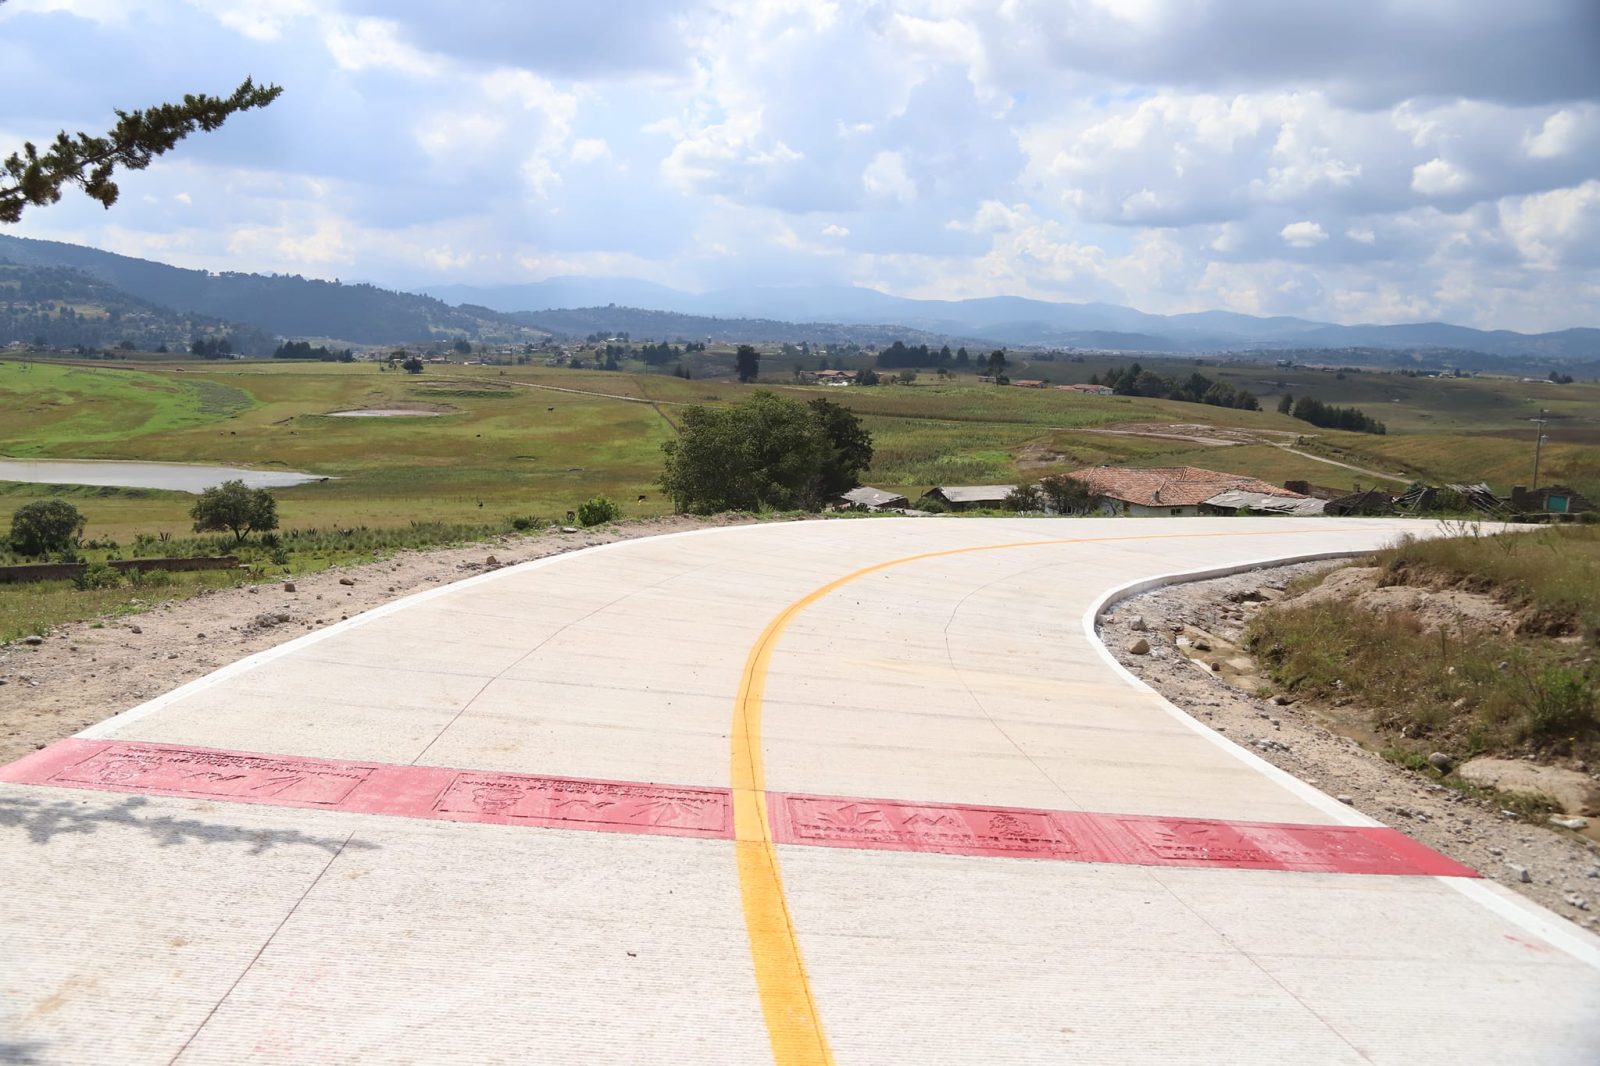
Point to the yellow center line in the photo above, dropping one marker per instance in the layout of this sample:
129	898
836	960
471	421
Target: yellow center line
794	1025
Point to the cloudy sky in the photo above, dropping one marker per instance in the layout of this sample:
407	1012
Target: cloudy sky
1365	160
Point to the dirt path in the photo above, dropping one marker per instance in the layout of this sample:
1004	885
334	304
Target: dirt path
1335	462
1563	868
88	671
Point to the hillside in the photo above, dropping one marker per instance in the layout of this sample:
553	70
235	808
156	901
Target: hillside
61	308
1022	321
281	305
671	325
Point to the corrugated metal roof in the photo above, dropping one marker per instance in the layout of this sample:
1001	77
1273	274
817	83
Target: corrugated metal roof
867	496
975	493
1239	499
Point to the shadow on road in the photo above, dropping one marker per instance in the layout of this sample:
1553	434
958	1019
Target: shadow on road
45	819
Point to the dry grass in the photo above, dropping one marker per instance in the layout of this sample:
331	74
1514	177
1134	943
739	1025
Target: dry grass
1466	689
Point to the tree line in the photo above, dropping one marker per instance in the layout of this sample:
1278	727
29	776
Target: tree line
1135	380
1327	416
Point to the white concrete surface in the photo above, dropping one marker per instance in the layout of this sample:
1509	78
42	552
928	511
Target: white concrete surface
151	930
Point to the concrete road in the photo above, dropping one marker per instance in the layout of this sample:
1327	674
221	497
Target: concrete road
861	792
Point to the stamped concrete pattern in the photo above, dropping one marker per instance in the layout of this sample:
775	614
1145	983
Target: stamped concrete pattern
629	805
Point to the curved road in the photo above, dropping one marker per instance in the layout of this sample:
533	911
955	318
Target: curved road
856	792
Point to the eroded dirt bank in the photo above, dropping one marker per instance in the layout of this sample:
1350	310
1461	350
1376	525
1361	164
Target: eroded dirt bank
1191	630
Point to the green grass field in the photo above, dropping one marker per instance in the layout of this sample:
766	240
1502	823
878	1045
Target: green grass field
537	441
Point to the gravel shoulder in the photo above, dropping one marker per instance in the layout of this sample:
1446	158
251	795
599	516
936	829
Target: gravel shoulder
1562	868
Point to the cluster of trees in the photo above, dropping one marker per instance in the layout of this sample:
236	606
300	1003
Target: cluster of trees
765	453
212	347
654	354
45	527
900	355
1056	493
303	350
1328	416
1135	380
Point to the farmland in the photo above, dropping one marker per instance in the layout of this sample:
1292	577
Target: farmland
536	441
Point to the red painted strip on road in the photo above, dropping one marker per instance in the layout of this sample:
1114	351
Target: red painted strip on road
441	793
1080	836
379	788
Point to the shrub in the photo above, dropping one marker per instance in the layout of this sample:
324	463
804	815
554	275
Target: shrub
522	523
45	526
149	579
98	576
598	511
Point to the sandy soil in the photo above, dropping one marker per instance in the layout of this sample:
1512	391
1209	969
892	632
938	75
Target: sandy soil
1563	868
81	674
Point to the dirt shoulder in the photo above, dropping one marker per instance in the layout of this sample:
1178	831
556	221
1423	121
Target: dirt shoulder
1562	868
87	671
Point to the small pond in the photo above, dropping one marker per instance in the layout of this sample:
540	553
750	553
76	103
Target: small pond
180	477
385	412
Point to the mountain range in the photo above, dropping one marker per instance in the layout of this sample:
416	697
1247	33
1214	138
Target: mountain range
1015	320
295	307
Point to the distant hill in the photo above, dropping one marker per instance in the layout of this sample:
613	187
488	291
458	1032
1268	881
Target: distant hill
1020	321
292	306
281	305
61	308
641	324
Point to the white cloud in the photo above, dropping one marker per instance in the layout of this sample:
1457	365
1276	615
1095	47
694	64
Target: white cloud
885	176
368	43
1555	137
1557	228
1275	157
1438	177
1303	234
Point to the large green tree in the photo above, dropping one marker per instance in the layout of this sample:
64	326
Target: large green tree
35	177
234	507
765	453
45	526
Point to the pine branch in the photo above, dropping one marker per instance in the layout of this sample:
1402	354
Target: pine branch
37	178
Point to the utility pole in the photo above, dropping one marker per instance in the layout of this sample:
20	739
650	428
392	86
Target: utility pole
1538	443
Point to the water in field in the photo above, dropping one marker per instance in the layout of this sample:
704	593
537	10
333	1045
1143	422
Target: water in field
385	412
179	477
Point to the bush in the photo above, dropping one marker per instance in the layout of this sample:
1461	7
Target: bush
233	507
98	576
523	523
598	511
149	579
45	526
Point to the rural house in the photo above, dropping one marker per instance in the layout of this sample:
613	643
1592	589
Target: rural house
970	497
1087	390
1549	499
1172	490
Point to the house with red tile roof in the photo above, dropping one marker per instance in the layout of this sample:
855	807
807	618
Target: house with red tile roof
1167	490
